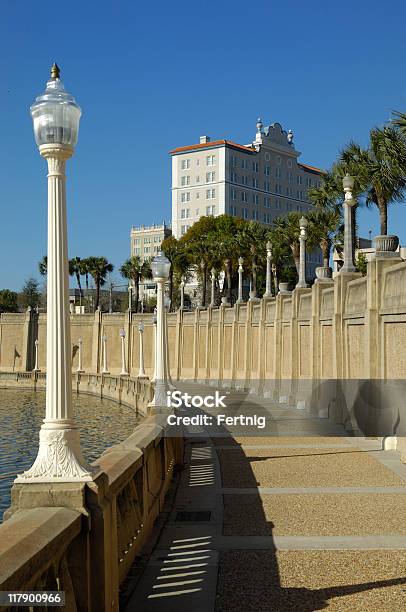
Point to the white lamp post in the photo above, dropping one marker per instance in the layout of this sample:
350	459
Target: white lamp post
160	266
213	281
141	371
302	261
349	201
123	368
240	272
104	352
80	364
36	368
56	118
268	284
182	294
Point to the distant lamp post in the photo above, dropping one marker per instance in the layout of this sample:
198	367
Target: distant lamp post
104	350
36	368
111	298
141	371
56	118
302	257
123	368
213	287
240	273
130	298
349	202
160	267
182	294
80	357
268	283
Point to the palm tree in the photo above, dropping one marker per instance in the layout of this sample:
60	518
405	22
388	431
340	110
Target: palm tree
43	266
325	225
288	231
197	245
400	121
251	240
135	269
99	267
176	253
75	270
379	170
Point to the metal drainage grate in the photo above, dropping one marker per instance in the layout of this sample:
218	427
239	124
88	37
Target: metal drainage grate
193	516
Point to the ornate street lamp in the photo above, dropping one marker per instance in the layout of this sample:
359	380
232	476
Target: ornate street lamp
56	118
160	267
268	284
349	202
141	371
240	273
123	368
302	261
80	359
36	368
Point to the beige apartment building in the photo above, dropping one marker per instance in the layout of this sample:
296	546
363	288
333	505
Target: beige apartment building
257	181
146	240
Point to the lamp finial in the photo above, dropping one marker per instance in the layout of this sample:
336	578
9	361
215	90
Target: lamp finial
55	71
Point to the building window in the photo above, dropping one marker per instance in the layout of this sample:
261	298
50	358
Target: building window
289	163
197	212
137	250
267	218
197	195
210	211
233	210
184	229
210	194
147	249
185	196
197	179
277	204
244	180
289	191
185	164
185	213
255	198
245	213
255	166
278	160
267	170
198	162
267	156
185	180
267	185
267	202
255	215
233	177
210	177
299	179
137	241
244	197
255	183
278	188
210	160
234	160
244	164
233	194
290	177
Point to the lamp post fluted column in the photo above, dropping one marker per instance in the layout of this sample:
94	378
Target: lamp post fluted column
80	357
349	202
104	352
36	368
56	123
268	284
213	287
302	261
141	371
160	266
123	365
130	297
182	294
240	273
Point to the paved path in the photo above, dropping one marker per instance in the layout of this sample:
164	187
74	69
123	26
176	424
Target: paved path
282	523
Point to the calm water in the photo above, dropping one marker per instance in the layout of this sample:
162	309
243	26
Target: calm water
102	424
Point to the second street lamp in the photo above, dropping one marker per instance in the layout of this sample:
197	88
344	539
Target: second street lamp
160	267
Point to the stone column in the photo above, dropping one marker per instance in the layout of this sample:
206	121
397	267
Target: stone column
253	284
161	359
59	455
213	280
80	358
268	285
36	368
123	364
349	201
240	273
130	298
302	262
104	344
141	371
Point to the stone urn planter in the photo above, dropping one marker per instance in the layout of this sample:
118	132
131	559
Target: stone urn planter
284	288
323	273
386	244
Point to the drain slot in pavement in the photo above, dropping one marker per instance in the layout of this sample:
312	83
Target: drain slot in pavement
193	517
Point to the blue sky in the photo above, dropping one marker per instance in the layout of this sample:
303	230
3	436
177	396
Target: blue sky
152	76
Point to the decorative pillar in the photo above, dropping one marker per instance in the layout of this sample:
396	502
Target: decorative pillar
268	284
130	298
80	362
36	368
141	371
213	286
182	294
59	455
349	201
104	350
253	283
160	269
302	262
123	368
240	273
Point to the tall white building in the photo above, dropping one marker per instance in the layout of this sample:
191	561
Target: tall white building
258	181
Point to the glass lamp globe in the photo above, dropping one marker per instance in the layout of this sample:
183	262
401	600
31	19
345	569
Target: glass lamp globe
160	266
348	182
55	114
303	222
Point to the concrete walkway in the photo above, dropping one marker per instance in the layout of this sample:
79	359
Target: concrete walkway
282	523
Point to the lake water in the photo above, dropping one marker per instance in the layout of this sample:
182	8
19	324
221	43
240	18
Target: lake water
102	423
